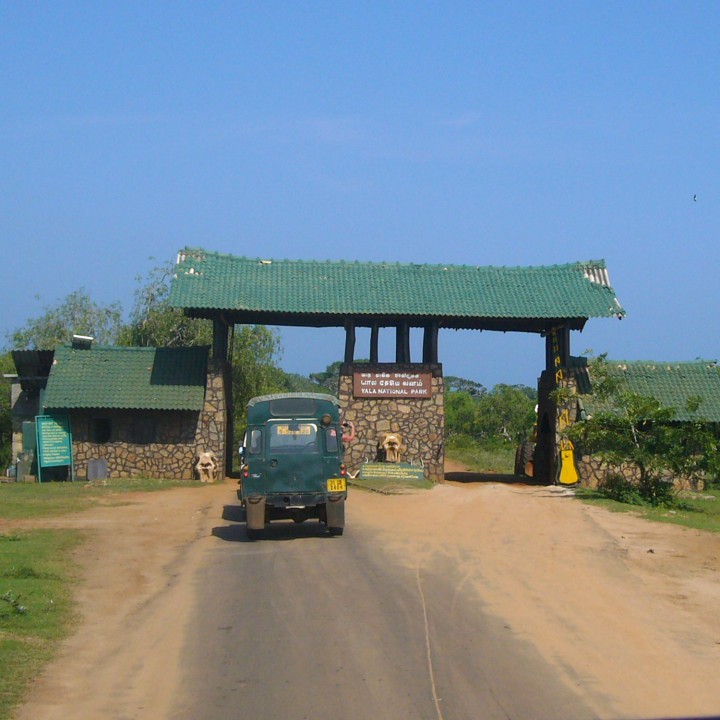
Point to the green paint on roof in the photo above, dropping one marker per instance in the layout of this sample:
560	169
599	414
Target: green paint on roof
212	281
673	384
129	378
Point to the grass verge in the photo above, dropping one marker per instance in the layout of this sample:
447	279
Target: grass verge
36	608
37	574
700	511
480	459
42	500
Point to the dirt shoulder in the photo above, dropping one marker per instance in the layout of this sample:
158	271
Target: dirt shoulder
623	608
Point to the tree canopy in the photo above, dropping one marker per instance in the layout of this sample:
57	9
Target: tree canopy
77	314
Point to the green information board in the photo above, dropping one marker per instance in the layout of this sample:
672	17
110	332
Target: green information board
54	442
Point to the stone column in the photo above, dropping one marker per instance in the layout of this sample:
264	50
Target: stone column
419	421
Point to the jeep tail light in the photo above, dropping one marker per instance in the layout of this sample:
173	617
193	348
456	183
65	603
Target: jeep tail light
245	471
343	470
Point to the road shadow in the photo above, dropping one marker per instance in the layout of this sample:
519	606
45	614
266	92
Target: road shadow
465	476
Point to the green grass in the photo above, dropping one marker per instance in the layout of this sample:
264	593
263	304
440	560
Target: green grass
37	575
42	500
36	608
692	510
479	458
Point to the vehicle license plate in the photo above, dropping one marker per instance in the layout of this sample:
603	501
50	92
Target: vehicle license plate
336	485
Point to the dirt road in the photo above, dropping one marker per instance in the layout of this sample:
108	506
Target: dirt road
628	612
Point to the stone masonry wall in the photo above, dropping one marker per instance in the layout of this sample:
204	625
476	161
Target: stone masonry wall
419	421
179	437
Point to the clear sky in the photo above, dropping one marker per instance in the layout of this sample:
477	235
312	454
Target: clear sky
503	133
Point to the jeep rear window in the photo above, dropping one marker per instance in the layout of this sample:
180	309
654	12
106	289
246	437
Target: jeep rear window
293	437
287	407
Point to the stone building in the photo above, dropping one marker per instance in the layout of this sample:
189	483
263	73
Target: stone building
672	384
142	412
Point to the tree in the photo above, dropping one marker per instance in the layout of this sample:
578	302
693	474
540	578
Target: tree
460	413
154	323
329	380
633	430
76	314
457	384
507	412
255	350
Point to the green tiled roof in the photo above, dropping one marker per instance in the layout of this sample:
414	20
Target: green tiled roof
130	378
673	384
208	281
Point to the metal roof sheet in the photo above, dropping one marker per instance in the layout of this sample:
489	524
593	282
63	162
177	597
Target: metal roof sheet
208	281
128	377
672	384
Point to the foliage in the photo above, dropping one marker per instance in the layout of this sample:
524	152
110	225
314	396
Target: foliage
455	384
255	350
505	414
153	323
507	411
329	380
636	431
77	314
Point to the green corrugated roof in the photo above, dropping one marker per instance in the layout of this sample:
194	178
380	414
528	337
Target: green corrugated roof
130	378
208	281
673	384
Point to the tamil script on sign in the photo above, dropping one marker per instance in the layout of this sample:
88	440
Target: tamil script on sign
392	384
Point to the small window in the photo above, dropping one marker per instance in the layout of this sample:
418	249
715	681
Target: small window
144	431
100	430
331	439
293	437
254	441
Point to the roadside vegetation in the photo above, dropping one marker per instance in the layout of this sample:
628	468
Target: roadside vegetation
37	573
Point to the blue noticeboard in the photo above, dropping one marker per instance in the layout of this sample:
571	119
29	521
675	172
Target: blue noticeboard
54	442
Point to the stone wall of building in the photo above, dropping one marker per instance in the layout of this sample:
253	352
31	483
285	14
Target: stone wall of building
594	472
178	437
419	421
170	455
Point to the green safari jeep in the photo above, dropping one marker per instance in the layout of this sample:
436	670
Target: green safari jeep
292	461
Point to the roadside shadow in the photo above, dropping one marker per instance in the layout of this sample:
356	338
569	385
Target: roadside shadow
477	477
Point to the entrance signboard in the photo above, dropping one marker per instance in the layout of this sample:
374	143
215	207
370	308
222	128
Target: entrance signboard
398	472
392	384
54	442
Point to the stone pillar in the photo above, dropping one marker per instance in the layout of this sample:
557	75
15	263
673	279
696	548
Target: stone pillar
419	421
212	425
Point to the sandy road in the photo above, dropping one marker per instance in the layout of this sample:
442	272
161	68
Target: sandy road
628	612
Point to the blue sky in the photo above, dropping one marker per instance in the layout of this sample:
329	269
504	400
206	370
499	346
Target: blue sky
431	132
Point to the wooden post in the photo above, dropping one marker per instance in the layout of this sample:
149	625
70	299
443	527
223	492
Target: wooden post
402	342
220	339
374	340
430	343
349	341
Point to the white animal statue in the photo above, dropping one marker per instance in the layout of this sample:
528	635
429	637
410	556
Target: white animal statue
390	448
207	467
